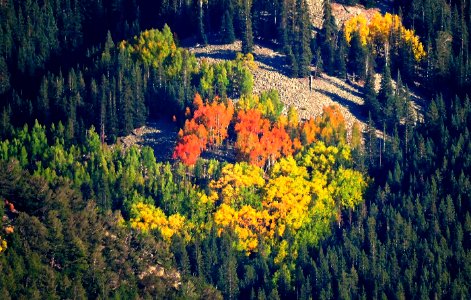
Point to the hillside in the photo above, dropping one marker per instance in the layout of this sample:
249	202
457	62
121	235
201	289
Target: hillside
270	74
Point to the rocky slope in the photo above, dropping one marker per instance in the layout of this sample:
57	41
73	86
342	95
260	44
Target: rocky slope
270	74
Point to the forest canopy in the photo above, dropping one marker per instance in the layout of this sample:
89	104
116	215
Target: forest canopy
255	202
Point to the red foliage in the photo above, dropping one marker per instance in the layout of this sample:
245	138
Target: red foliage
208	126
258	142
188	149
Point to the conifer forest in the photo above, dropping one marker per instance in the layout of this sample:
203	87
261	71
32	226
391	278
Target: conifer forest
133	165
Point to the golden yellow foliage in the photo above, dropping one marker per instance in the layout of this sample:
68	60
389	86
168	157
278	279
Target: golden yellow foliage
236	177
291	198
378	32
147	217
3	245
357	23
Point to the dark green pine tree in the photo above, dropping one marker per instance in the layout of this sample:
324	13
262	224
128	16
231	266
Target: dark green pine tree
318	63
304	39
4	76
400	100
371	100
228	279
371	141
5	124
292	63
284	27
107	54
357	57
139	108
386	95
42	105
340	65
327	39
201	35
227	28
246	19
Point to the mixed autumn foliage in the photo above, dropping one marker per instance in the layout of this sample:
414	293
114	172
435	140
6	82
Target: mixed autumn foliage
297	212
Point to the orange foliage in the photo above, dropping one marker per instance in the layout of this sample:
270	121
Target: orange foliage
197	101
309	131
188	149
332	123
207	127
329	127
9	229
216	118
258	141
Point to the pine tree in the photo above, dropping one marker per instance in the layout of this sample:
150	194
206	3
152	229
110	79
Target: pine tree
386	94
201	32
292	63
247	34
227	28
318	62
304	38
371	141
228	279
340	66
327	38
371	100
43	102
357	57
5	125
4	76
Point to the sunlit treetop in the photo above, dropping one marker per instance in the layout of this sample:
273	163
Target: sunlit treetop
379	29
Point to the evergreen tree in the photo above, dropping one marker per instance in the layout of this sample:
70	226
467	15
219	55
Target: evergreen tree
304	38
4	76
386	94
340	65
371	148
201	36
228	279
292	63
318	62
227	28
327	39
371	101
357	57
247	34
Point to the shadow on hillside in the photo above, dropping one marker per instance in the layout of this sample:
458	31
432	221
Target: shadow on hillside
274	62
162	139
355	109
219	54
352	89
225	153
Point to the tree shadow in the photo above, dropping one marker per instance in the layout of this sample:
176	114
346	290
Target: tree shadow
222	154
218	54
353	89
275	62
162	139
357	110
